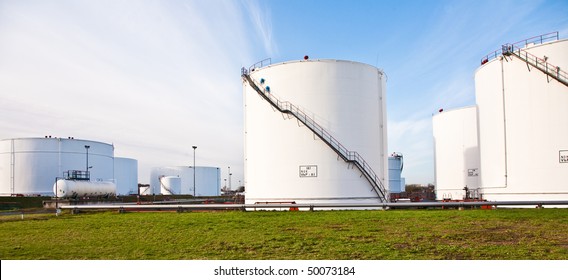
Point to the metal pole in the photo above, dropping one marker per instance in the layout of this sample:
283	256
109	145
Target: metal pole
87	167
56	197
230	178
194	147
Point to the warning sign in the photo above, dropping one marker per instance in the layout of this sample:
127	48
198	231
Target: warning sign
473	172
563	156
308	171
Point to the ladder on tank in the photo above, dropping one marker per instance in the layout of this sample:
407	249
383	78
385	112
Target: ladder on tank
348	156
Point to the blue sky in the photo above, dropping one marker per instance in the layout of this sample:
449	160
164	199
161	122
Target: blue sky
156	77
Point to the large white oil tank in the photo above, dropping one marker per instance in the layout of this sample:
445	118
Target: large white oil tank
456	153
396	165
285	161
126	176
83	188
30	166
207	180
523	121
170	185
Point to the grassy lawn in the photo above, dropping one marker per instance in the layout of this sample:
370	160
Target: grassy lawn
359	235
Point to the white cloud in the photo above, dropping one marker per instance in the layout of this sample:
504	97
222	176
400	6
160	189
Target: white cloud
261	19
154	78
412	138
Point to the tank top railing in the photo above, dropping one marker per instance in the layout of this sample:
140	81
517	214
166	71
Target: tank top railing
348	156
537	40
540	63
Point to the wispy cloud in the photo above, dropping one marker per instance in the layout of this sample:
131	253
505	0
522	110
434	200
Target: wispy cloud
262	22
154	78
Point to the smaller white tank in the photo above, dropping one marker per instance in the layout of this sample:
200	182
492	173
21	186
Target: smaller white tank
170	185
82	188
146	190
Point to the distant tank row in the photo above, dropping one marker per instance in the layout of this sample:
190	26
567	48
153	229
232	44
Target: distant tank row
315	131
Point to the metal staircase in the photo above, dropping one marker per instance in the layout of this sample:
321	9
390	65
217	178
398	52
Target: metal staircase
516	49
351	157
550	70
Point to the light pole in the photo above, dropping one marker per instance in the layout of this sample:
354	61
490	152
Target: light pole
87	167
194	147
230	177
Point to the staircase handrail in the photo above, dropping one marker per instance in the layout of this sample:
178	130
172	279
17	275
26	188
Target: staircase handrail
551	70
344	153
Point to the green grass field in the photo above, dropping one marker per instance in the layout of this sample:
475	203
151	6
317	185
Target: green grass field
353	235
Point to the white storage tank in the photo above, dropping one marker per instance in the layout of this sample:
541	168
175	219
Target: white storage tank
207	180
456	153
170	185
126	176
146	190
30	166
285	161
523	121
83	188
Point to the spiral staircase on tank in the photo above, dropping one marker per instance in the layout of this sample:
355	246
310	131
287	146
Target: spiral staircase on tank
351	157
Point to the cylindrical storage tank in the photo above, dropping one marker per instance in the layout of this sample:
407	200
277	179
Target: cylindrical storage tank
83	188
523	121
30	166
456	153
170	185
395	172
285	161
126	176
146	190
207	179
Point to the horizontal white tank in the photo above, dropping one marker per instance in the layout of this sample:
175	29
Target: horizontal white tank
126	176
170	185
83	188
30	166
523	121
285	161
456	152
207	180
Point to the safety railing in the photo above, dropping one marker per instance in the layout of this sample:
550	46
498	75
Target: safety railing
348	156
537	40
521	44
77	175
260	64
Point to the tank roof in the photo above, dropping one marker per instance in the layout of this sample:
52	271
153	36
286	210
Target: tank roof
316	60
56	138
